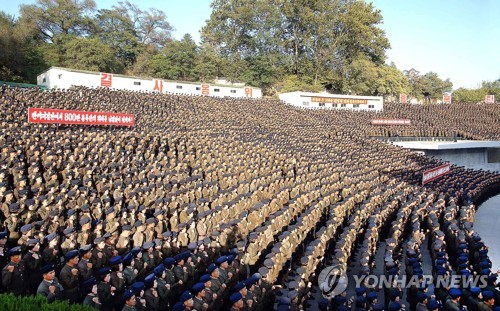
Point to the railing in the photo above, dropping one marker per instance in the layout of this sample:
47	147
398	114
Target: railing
415	138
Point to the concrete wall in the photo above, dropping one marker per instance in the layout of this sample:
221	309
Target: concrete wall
475	158
305	100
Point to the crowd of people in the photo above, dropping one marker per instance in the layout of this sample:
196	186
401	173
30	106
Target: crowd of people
222	203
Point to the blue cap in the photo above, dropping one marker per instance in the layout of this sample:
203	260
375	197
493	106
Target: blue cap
211	268
198	287
360	300
115	260
394	306
127	259
169	262
205	278
379	306
432	304
135	251
360	290
284	301
221	260
47	268
71	254
89	283
178	257
3	235
235	297
371	296
128	294
14	251
421	296
137	287
475	291
455	293
186	295
487	295
150	278
104	271
239	286
179	306
159	270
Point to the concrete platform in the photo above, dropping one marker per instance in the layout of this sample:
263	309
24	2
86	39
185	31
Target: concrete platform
447	145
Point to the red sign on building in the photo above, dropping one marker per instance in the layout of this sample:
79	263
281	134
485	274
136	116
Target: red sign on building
402	98
59	116
435	173
447	99
248	91
106	79
489	99
158	85
205	89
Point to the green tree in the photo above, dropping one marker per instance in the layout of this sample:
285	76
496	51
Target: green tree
177	60
60	17
91	54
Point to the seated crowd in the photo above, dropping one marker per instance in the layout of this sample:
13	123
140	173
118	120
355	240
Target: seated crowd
217	204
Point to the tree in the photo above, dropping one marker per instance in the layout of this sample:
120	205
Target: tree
177	60
60	17
91	54
117	31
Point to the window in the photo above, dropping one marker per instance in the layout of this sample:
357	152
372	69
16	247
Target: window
355	106
179	87
305	103
371	106
335	105
343	105
216	90
322	104
44	80
137	83
198	88
233	91
60	76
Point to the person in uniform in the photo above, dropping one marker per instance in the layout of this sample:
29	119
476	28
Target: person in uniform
151	293
84	265
69	277
130	301
32	263
453	302
198	291
105	291
50	286
13	274
236	302
90	288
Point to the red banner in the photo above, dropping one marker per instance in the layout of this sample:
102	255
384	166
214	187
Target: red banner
489	99
435	173
158	85
248	91
59	116
447	99
402	98
205	89
391	122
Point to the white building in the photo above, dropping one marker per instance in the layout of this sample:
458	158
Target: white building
64	78
333	101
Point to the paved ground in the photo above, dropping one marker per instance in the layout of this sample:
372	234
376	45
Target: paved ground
487	224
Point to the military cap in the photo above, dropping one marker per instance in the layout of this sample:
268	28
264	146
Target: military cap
371	296
221	260
126	228
71	193
492	277
421	296
89	283
99	240
379	306
284	301
148	280
211	268
150	220
127	259
30	202
104	271
487	295
26	228
168	262
181	225
198	287
192	246
109	210
239	286
138	223
166	234
179	306
483	252
47	268
71	212
235	297
432	304
84	220
485	272
141	208
32	242
342	308
293	294
158	271
178	257
116	260
268	263
263	271
147	245
85	208
14	207
71	254
455	293
50	237
128	294
3	235
158	213
23	192
475	291
394	306
186	295
205	278
137	287
85	249
7	192
69	231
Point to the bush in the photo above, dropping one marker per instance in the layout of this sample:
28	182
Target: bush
30	303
